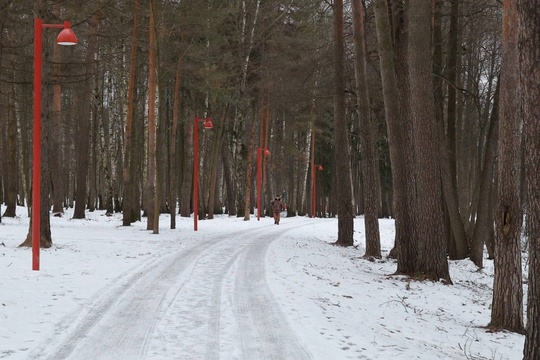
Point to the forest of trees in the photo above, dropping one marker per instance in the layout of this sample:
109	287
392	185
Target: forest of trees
423	111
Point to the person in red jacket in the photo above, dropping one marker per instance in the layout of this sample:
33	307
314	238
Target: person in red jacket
277	207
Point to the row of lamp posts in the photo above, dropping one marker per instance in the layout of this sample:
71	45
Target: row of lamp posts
67	37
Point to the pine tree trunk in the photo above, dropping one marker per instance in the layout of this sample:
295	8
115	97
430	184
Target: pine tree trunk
341	144
56	139
151	194
395	92
83	134
11	154
369	158
214	162
483	228
507	305
249	171
173	146
431	247
127	177
227	178
529	16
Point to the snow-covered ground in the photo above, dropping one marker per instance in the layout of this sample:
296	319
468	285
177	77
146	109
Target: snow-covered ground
232	290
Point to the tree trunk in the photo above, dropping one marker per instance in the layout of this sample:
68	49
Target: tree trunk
173	146
187	181
214	162
432	262
152	204
368	157
11	153
83	135
529	16
128	196
401	131
341	143
227	178
249	171
507	305
483	228
56	139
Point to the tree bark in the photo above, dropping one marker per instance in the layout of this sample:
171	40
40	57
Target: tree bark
368	157
152	204
406	233
187	172
507	304
83	135
432	262
529	43
249	172
57	140
214	163
128	202
11	153
173	146
483	228
341	143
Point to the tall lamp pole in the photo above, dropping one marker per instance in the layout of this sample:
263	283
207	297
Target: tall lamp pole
260	152
207	125
66	37
314	170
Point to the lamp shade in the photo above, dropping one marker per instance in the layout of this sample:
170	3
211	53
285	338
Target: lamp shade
208	124
66	36
266	152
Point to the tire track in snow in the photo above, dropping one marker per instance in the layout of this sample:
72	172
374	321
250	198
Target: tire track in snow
192	304
118	324
265	333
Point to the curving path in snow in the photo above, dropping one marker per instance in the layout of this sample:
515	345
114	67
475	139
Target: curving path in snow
208	301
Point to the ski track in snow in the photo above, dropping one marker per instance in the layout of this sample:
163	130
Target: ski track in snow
214	291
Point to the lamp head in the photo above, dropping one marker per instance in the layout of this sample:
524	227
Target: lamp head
208	124
266	152
66	36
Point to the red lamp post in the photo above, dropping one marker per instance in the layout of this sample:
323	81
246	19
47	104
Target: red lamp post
260	152
66	37
207	125
314	170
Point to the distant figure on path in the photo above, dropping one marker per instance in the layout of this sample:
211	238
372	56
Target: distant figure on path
277	207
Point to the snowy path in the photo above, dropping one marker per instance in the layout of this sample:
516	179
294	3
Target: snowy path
208	301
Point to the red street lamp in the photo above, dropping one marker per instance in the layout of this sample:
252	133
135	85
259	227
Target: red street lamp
66	37
260	152
314	169
207	125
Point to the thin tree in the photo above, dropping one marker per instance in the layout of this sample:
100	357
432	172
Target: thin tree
128	201
173	187
341	143
83	134
394	124
367	142
56	139
152	205
459	242
12	168
483	228
529	41
187	170
507	304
